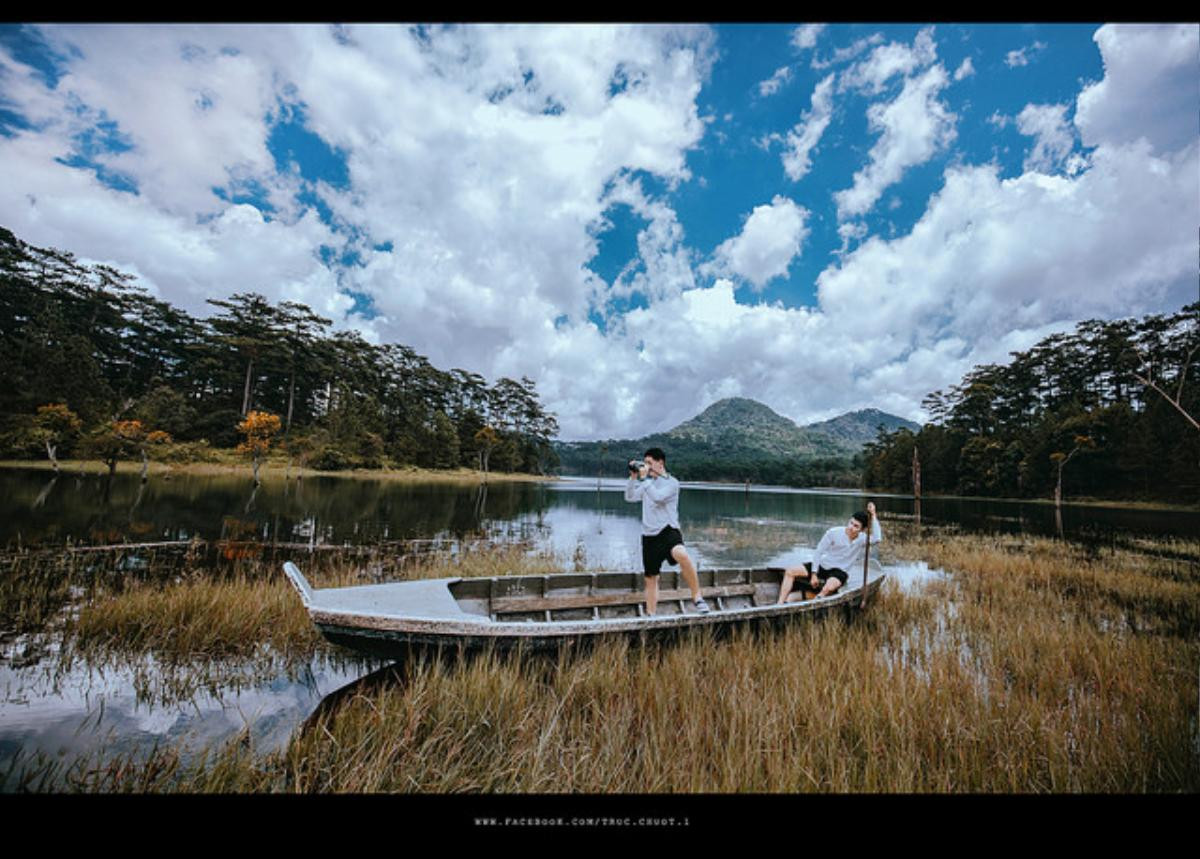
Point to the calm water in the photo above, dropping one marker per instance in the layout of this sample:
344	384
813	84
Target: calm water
37	509
120	707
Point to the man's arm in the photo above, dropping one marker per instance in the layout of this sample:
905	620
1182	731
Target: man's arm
634	489
822	546
660	491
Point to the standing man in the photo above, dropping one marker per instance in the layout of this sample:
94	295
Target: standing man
661	538
841	549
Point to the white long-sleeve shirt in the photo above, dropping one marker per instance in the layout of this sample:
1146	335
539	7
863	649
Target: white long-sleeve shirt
836	551
660	501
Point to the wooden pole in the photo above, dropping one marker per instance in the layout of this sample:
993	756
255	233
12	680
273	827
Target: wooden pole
866	560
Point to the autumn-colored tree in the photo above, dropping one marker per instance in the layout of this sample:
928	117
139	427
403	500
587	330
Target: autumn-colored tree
258	429
117	440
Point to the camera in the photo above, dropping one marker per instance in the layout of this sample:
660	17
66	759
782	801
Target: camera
635	465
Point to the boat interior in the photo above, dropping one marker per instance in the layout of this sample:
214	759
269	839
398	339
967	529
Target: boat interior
598	595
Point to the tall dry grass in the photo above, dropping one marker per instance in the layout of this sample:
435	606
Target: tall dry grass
1034	667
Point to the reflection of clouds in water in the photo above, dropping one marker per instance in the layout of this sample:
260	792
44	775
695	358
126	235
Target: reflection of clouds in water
90	708
910	575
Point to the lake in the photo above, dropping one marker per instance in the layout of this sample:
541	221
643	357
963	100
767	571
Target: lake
580	520
37	509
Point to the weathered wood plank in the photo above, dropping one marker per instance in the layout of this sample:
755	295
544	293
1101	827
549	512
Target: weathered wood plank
505	605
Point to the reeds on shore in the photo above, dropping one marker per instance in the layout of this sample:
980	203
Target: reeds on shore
1035	666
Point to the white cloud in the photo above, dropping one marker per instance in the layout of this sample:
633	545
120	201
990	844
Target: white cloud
773	84
489	157
914	126
805	36
807	133
1023	56
1053	137
486	198
992	255
1149	88
965	70
771	238
842	55
887	61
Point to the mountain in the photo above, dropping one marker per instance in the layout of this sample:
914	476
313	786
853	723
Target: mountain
742	439
737	422
860	427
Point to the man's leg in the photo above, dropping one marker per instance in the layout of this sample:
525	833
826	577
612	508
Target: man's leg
651	594
789	581
688	569
830	585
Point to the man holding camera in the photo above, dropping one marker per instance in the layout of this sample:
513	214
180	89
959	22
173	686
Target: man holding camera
661	538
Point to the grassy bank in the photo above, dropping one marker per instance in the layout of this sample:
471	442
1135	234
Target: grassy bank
1036	666
278	469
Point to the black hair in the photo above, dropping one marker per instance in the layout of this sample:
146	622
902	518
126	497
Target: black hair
861	516
656	453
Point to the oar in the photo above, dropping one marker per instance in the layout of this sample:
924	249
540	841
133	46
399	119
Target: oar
866	559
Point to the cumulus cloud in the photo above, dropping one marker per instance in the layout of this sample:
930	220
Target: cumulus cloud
482	162
913	127
807	133
1149	88
1053	137
965	69
771	238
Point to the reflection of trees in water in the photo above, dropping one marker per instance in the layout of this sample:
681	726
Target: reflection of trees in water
41	499
362	511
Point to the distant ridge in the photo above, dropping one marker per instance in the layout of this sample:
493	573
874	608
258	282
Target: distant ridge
862	426
742	439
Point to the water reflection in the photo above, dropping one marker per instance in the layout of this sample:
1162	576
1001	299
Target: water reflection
584	522
62	716
361	510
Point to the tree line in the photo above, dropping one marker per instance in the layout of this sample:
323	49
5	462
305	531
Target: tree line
94	366
727	459
1106	411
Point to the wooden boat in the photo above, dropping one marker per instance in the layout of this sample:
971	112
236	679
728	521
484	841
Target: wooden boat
540	611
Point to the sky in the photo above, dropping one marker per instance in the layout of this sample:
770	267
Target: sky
643	219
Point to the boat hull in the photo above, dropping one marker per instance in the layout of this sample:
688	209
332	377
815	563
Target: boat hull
548	612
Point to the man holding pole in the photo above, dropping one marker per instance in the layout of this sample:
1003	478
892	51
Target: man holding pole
840	550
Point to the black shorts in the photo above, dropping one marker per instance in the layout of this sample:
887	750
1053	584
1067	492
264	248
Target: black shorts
657	548
824	575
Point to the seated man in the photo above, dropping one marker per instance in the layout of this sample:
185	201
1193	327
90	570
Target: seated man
840	550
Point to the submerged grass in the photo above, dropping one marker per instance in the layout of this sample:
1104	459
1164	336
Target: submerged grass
1035	666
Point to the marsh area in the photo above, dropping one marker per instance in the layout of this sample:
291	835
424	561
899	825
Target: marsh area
158	668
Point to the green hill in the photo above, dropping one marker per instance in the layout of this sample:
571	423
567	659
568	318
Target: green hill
739	439
858	428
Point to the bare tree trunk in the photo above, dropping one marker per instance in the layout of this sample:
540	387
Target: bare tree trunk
145	465
291	402
51	449
246	393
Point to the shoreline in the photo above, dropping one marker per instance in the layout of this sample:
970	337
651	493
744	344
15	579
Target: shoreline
274	470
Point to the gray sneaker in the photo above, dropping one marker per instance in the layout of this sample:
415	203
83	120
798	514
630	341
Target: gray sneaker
702	607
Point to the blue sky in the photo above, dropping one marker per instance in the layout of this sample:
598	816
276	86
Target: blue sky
643	219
